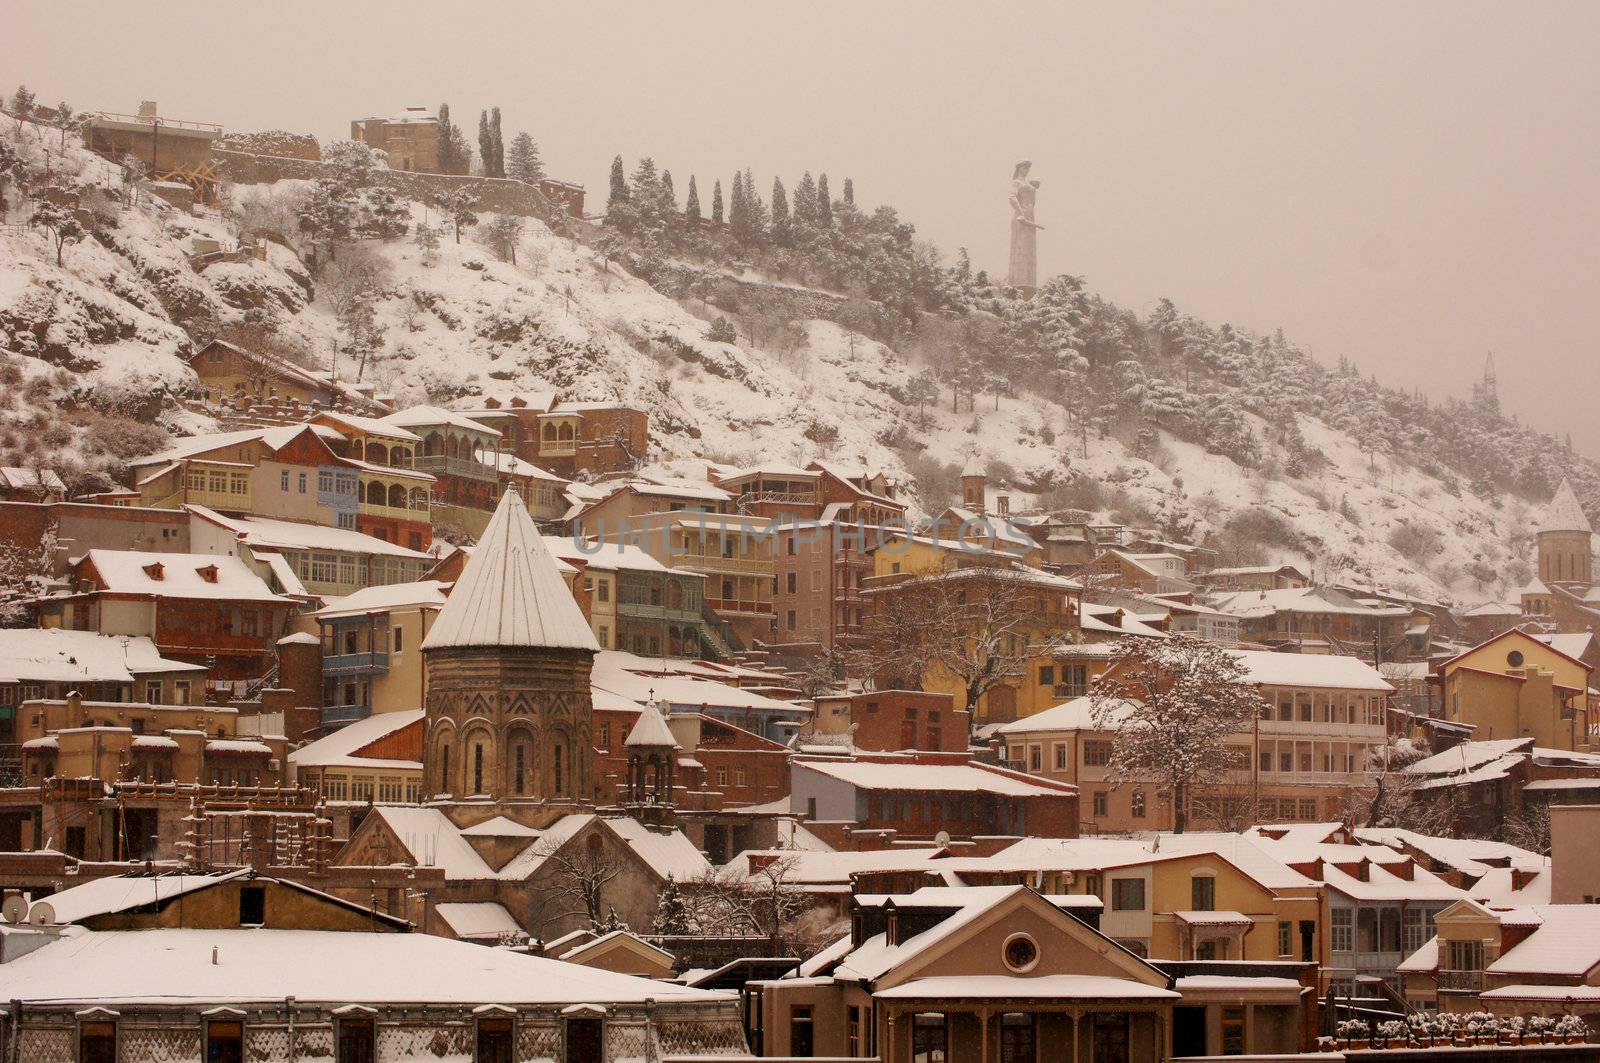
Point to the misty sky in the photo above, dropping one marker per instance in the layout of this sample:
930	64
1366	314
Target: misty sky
1411	185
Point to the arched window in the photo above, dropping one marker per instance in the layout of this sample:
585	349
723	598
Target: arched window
444	768
355	450
558	773
519	769
477	768
453	447
566	432
549	432
375	493
397	496
419	498
433	444
377	453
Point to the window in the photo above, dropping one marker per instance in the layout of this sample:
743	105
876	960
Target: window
356	1041
1137	804
180	692
1047	675
1035	758
930	1038
1096	753
722	776
152	692
603	590
1266	759
399	639
740	776
1343	936
1203	893
283	481
1462	956
1418	928
1127	895
1059	756
520	768
1100	804
1021	953
477	769
97	1042
605	637
801	1040
1285	939
789	583
302	483
252	905
1138	946
224	1041
1018	1038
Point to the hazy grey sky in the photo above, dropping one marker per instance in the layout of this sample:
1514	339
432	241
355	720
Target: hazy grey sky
1408	184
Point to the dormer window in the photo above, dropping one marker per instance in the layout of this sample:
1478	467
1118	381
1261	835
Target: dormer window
155	570
209	573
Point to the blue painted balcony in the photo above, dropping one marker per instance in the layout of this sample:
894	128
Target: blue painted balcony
348	664
339	715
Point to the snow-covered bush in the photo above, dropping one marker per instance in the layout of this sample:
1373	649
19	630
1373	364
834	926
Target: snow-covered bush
1354	1029
1571	1026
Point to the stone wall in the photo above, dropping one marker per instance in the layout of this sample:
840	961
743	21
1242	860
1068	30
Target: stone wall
497	194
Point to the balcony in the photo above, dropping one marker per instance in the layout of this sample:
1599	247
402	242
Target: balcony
742	566
372	509
1068	690
564	448
232	501
345	664
688	614
470	468
1461	981
339	715
740	606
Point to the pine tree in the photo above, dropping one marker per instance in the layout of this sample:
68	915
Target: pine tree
497	144
849	192
523	162
672	914
485	144
780	212
667	208
691	206
716	203
805	199
620	213
824	204
459	207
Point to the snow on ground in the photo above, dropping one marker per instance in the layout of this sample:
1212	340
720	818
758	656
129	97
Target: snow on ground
462	321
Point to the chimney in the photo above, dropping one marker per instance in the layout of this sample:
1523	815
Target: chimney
147	109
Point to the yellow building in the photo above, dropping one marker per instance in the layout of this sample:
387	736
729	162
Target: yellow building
1517	686
371	650
1195	896
953	574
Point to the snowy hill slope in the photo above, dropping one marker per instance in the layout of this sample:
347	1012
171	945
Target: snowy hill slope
119	315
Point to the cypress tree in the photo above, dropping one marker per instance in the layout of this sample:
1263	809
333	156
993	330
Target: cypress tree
445	149
619	184
716	202
691	207
498	143
780	204
824	203
849	192
805	198
485	144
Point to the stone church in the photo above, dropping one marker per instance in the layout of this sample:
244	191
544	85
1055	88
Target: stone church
1563	597
508	706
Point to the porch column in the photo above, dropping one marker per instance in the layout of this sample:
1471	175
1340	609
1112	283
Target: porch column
983	1019
1075	1013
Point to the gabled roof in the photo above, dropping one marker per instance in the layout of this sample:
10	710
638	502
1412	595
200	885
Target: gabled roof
478	920
341	749
510	593
211	576
49	655
425	593
269	533
119	893
1564	512
274	438
1513	632
434	416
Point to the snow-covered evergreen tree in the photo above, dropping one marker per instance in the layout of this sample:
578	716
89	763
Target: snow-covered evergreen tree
716	203
522	160
691	206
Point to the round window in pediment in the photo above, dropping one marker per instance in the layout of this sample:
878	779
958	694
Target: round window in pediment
1515	658
1021	953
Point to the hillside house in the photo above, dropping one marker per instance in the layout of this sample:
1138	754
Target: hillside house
196	608
290	472
31	485
1318	620
229	373
394	498
409	138
371	650
1517	685
459	453
565	437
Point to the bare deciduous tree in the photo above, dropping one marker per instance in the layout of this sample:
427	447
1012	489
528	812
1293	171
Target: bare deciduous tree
579	870
1171	705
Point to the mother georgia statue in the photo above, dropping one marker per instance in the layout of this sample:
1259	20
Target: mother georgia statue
1024	269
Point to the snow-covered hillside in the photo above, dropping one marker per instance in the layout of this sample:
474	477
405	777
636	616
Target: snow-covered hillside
107	331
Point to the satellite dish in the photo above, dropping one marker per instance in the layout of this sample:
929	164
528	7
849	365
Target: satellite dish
41	914
942	839
15	909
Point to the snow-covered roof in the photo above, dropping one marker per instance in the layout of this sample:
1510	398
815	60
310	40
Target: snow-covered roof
1574	644
670	853
1466	756
1566	943
118	893
18	478
511	465
435	416
1323	671
510	592
650	730
1074	715
426	593
210	576
338	750
499	827
970	777
173	966
371	426
267	533
821	867
1564	512
1301	600
58	655
1079	987
275	438
1099	854
638	681
434	841
600	555
1475	856
479	919
1495	609
593	945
